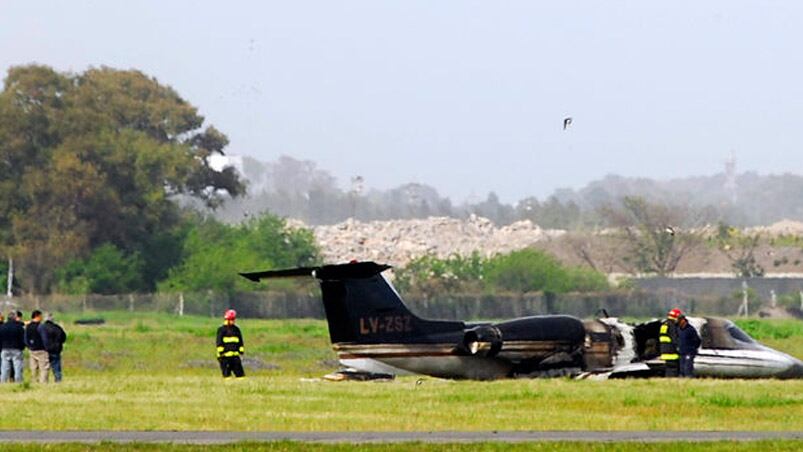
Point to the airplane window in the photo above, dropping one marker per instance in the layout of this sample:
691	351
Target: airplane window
739	335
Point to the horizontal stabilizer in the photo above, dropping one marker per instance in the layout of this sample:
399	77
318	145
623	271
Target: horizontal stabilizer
288	273
356	270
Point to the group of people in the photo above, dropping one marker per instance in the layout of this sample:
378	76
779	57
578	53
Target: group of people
678	343
43	339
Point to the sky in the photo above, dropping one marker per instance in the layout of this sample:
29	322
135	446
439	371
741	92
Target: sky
466	96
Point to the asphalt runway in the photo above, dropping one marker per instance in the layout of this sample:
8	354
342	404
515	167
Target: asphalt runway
198	437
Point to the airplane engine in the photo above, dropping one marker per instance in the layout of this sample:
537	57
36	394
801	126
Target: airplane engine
485	340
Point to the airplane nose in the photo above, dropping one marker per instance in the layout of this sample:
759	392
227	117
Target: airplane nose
795	370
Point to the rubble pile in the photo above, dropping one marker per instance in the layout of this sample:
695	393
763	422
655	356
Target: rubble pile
783	227
397	242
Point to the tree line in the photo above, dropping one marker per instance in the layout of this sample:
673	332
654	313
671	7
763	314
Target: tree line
299	189
91	167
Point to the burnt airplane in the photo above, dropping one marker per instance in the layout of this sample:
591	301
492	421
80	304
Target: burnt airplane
373	331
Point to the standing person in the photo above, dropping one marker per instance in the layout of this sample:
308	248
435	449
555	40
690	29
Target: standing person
53	337
230	346
39	360
667	343
12	341
688	343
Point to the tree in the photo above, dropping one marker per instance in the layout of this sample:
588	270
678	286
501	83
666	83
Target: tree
527	270
531	270
94	158
739	248
656	237
214	253
106	271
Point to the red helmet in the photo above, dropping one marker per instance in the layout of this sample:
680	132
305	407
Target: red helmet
674	314
231	314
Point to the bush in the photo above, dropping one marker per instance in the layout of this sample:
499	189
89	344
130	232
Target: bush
214	253
527	270
532	270
106	271
430	274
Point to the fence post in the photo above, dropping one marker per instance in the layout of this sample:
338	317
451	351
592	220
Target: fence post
181	304
130	302
745	305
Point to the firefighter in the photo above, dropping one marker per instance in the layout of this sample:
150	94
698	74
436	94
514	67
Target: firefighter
230	346
668	341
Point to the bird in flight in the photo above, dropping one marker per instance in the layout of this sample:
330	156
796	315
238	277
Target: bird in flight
567	121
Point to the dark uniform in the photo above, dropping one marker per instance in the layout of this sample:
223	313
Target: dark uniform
688	343
667	342
229	348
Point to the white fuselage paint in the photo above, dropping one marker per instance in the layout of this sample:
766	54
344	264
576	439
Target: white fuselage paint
626	354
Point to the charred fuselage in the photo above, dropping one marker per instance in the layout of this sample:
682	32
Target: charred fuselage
372	330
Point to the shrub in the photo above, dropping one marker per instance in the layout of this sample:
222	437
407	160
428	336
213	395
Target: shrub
526	270
106	271
214	253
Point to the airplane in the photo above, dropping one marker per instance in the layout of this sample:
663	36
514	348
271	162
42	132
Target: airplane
372	331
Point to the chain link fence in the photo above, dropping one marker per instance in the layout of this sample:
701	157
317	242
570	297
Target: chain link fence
282	305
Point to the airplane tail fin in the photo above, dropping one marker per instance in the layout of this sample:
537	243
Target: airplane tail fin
361	305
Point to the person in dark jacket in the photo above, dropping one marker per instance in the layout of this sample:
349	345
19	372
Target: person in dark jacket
688	343
667	342
230	346
53	337
12	342
40	363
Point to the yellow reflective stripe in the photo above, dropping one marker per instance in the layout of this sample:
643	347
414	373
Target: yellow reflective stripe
220	349
242	349
664	328
230	354
670	356
230	339
665	339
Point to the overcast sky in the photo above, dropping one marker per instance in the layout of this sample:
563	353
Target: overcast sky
468	97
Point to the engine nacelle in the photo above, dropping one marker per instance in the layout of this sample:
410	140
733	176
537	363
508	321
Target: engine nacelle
484	340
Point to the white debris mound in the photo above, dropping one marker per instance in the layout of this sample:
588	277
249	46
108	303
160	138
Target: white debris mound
397	242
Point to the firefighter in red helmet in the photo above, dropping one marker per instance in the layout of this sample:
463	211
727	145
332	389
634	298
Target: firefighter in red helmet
668	342
230	346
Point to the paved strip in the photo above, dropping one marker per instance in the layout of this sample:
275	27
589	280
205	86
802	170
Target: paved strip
206	437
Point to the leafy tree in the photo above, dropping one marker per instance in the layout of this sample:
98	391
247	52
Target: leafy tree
94	158
214	253
532	270
106	271
739	248
653	234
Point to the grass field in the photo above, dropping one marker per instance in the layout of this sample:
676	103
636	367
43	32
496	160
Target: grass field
157	372
721	446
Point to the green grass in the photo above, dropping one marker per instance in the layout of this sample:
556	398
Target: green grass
717	446
147	371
